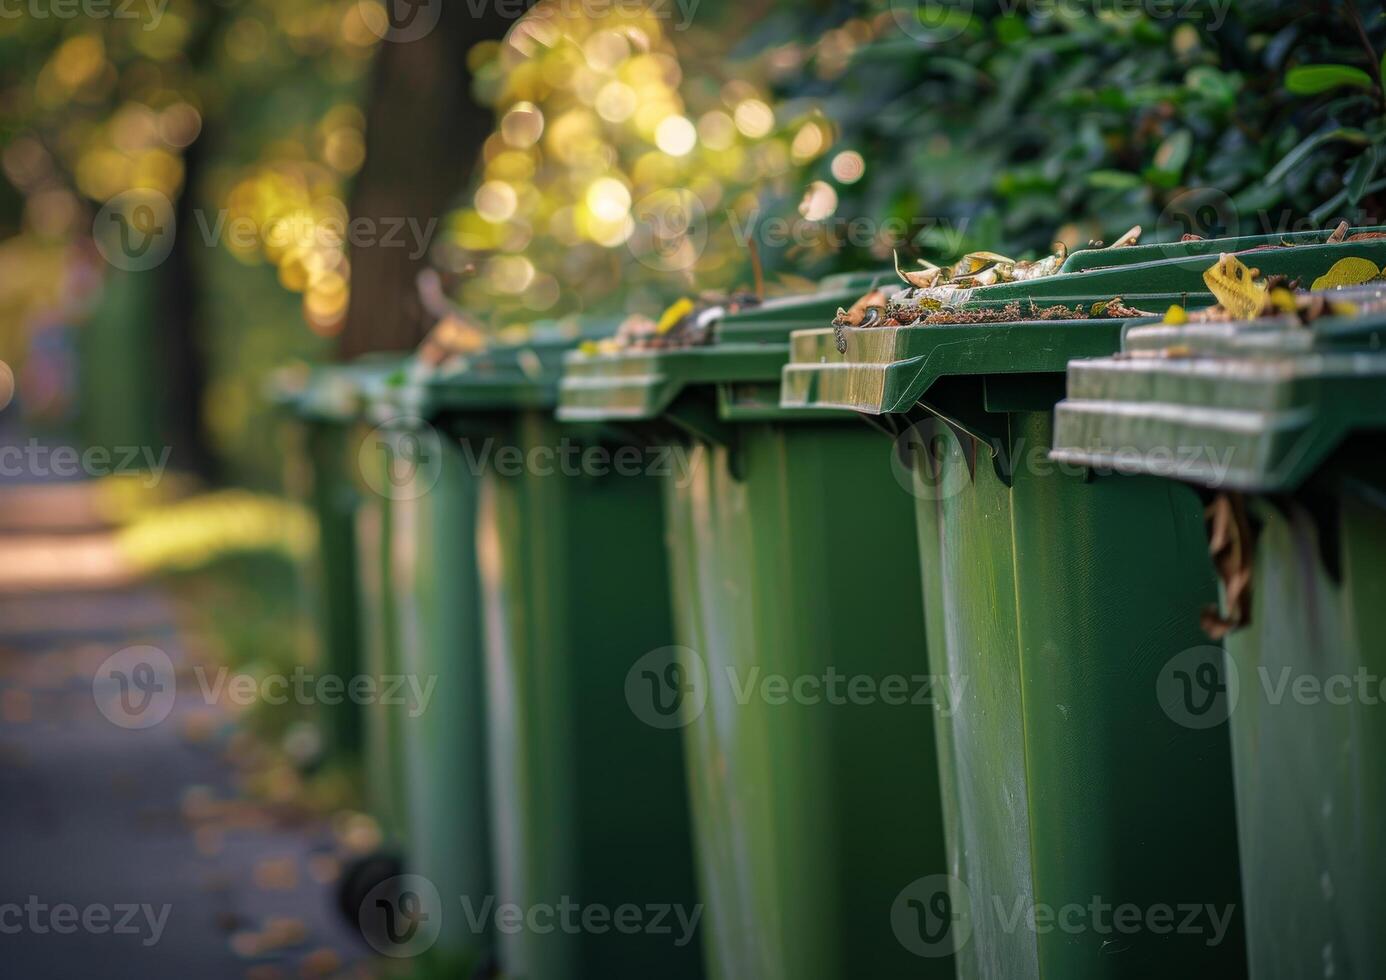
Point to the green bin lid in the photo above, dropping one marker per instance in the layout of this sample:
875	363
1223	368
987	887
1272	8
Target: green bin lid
502	377
743	361
1094	258
1249	406
1145	274
890	369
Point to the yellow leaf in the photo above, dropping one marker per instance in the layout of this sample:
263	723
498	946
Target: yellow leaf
673	315
1351	271
1236	288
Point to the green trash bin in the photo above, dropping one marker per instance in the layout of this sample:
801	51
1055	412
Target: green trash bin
589	825
816	808
426	622
338	463
378	637
1283	428
1069	797
322	406
118	350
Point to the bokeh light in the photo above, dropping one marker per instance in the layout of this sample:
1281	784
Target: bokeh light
848	167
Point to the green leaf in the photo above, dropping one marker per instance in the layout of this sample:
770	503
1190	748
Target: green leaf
1292	159
1173	153
1215	86
1011	29
1361	172
1117	180
1313	79
1321	213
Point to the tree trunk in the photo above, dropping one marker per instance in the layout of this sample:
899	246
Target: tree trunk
178	326
424	132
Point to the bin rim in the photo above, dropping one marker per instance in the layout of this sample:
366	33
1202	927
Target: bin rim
1253	410
1084	259
1180	275
889	370
506	376
748	347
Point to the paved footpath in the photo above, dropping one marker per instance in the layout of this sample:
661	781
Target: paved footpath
139	832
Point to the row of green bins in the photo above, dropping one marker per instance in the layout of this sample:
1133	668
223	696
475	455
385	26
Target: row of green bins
1055	599
1283	428
588	815
815	808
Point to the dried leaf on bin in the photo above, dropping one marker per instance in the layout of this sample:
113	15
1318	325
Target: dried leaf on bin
1131	237
1047	266
674	315
1236	289
921	278
869	311
1350	271
1231	544
452	336
1116	308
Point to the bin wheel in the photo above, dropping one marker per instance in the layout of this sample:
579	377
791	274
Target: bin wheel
359	877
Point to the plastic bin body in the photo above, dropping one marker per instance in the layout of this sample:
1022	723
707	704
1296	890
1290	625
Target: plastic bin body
323	409
1057	600
321	480
589	804
437	694
384	751
1288	421
812	815
1311	793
